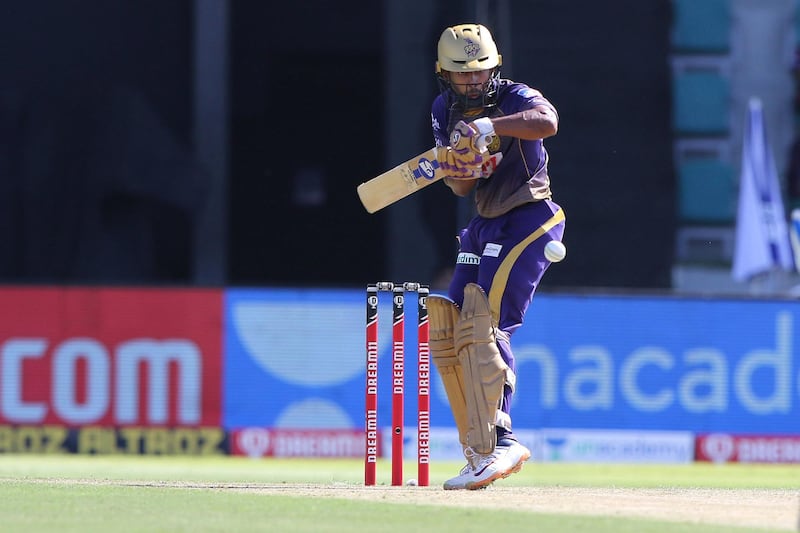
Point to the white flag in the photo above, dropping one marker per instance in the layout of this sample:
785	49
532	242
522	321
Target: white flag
762	234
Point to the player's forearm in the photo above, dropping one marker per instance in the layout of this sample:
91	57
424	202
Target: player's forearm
537	123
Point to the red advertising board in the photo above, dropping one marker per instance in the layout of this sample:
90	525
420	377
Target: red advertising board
284	442
119	357
725	448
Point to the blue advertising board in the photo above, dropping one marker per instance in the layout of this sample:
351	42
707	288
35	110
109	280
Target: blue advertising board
296	358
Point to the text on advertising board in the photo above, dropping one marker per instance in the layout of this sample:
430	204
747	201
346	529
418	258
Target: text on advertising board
110	357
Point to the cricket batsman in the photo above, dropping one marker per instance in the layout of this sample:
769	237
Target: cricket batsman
480	117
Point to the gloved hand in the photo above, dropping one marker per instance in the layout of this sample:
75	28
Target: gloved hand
467	150
475	136
454	165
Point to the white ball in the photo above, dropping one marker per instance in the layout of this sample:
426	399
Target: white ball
555	251
412	482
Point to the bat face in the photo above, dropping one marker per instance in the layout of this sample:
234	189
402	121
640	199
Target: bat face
399	182
409	177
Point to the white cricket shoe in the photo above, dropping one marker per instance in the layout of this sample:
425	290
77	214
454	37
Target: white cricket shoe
483	470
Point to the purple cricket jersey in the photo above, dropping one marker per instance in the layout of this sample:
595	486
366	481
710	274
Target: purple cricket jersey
522	175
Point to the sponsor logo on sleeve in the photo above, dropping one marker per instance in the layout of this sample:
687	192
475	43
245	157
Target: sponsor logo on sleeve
465	258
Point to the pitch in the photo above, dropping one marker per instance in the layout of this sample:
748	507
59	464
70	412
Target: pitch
86	493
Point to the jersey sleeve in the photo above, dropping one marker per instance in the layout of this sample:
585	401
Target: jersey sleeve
526	98
439	122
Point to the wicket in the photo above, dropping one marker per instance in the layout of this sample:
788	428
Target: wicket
398	291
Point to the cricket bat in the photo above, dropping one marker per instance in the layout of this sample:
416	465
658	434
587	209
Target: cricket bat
399	182
408	178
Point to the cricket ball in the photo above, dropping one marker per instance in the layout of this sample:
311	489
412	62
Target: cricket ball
555	251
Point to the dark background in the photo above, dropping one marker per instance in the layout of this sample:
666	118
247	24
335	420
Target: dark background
100	182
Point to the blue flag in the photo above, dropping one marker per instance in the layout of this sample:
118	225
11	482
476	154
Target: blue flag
762	233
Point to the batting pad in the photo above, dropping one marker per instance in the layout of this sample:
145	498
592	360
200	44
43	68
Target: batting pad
443	314
485	373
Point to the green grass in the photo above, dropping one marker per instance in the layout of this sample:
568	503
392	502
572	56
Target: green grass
137	493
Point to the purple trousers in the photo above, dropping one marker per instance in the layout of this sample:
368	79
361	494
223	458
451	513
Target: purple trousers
505	256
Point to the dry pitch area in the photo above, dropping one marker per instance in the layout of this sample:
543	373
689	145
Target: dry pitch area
772	509
755	508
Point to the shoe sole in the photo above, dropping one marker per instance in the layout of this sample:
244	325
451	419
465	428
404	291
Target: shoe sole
500	475
477	485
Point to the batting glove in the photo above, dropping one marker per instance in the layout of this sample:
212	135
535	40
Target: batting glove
462	166
468	149
475	136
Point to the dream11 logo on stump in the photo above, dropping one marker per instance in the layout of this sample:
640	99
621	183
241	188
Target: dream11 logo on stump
146	366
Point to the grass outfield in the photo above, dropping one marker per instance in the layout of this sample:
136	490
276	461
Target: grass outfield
139	493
